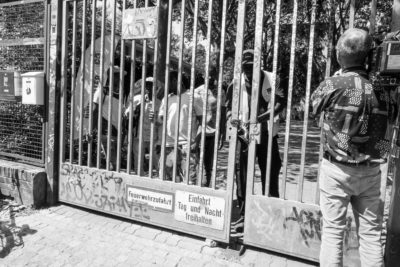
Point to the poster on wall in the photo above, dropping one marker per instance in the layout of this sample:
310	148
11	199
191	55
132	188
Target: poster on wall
199	209
140	23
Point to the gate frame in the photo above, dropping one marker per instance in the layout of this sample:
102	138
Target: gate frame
392	249
66	171
53	76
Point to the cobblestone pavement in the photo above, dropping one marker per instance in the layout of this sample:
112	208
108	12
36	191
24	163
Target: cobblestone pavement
70	236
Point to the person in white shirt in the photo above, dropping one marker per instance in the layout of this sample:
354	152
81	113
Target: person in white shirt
149	110
183	139
200	93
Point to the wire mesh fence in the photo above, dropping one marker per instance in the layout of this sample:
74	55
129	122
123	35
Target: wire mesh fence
23	57
22	48
21	130
21	20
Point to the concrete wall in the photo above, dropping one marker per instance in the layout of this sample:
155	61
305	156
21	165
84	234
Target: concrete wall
25	183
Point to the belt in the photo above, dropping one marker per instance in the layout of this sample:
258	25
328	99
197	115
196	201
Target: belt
351	164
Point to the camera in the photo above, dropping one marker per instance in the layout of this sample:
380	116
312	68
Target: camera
385	65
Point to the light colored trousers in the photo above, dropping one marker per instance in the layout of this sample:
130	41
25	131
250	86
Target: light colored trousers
360	186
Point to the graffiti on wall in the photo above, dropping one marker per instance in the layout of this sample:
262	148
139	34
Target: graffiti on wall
277	224
102	190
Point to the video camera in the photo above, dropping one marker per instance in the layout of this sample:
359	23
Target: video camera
384	65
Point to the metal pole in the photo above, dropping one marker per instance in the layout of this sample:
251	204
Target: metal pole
54	88
392	252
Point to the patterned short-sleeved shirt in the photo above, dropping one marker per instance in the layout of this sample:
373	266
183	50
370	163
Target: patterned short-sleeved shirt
356	115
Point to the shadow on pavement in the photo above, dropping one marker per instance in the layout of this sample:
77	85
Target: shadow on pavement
11	235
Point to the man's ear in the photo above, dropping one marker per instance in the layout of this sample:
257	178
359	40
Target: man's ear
338	57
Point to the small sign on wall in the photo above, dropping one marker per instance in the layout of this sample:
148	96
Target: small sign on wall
200	209
140	23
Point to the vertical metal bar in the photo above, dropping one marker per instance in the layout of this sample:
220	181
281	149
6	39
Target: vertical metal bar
154	100
205	97
290	96
219	94
392	253
142	105
64	47
179	91
111	85
255	95
306	108
352	13
83	48
166	90
46	37
192	83
372	17
236	89
332	8
73	81
272	113
131	107
101	82
121	96
92	54
46	23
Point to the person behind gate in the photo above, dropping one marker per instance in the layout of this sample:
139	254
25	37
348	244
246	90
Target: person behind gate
242	125
183	139
355	117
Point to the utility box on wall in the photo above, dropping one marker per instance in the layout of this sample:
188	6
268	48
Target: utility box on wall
33	88
10	85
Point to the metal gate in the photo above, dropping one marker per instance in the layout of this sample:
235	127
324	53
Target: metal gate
120	58
113	58
291	224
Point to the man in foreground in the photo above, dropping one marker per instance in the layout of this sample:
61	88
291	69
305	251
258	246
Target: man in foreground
355	119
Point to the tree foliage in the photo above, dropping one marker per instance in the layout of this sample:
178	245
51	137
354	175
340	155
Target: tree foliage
320	42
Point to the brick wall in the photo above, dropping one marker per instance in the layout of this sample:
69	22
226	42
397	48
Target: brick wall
25	183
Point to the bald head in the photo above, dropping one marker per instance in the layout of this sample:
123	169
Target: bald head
353	48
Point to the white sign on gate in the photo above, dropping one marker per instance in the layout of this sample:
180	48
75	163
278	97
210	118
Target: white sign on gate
200	209
140	23
158	200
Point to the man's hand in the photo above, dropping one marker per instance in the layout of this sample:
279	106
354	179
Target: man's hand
151	115
194	146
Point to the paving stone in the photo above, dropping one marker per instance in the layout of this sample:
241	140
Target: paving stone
170	263
193	245
293	263
148	233
277	262
192	262
132	229
215	264
210	251
249	256
173	240
174	256
162	237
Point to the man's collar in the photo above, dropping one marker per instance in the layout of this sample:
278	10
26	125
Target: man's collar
357	69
